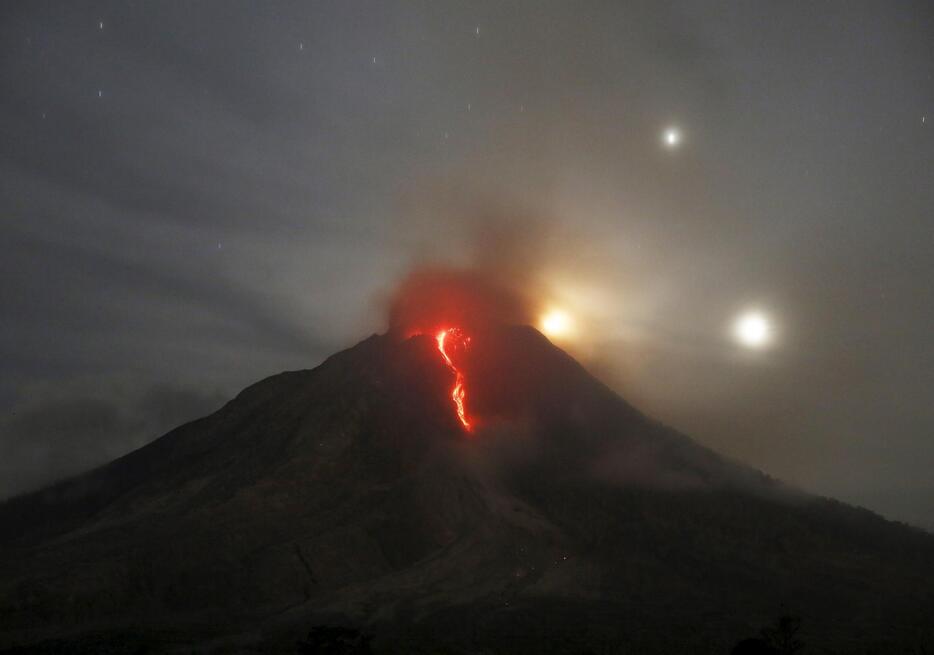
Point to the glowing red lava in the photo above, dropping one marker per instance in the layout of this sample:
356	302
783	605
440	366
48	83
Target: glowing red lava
455	337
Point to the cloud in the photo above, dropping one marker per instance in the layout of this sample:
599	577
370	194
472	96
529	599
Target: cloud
59	432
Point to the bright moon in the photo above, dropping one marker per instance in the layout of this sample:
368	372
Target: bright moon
556	323
753	330
671	137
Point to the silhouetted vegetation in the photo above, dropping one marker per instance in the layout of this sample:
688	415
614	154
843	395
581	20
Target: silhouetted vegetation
335	640
753	646
783	636
780	638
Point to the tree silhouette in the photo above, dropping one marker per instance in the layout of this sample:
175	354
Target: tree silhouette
754	646
780	638
335	640
783	636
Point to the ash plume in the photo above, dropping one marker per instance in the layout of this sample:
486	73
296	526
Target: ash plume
434	297
485	270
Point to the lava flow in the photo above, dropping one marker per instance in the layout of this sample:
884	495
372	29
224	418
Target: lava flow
458	393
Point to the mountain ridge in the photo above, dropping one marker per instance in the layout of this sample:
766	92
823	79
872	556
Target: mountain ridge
350	492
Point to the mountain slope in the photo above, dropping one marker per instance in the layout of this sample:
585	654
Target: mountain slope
351	493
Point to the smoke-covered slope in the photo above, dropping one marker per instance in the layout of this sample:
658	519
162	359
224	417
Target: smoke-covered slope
351	492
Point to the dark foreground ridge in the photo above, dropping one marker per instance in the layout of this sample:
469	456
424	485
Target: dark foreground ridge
349	495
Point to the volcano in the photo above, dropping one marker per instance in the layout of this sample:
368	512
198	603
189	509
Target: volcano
490	497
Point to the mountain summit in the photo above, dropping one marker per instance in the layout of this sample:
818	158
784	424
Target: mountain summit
538	510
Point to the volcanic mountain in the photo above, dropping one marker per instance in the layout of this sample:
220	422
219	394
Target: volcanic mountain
554	517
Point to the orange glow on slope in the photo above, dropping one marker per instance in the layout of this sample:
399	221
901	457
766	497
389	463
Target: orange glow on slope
458	393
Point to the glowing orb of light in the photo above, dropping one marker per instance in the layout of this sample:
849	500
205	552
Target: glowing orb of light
556	323
671	137
753	330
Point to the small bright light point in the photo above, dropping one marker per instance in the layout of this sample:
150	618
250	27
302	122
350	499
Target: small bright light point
753	330
671	137
556	323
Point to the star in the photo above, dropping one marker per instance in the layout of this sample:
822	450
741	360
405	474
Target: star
752	330
671	137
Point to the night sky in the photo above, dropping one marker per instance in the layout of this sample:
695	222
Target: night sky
195	195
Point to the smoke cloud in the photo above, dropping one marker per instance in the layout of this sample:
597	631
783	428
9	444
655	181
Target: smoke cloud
59	432
433	298
490	265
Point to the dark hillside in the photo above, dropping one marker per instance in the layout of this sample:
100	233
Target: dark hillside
351	494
